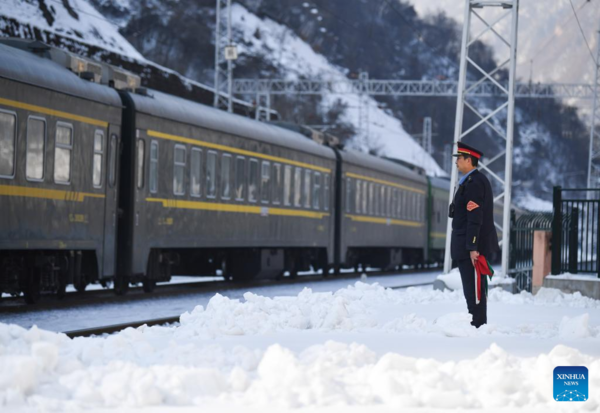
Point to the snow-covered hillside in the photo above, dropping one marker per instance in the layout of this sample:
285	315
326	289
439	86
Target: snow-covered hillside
283	48
78	20
75	19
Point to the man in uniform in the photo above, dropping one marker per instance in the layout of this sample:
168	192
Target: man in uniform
473	231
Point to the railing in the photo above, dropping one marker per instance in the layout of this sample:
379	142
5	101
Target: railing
521	245
576	231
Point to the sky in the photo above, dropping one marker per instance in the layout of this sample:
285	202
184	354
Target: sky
550	45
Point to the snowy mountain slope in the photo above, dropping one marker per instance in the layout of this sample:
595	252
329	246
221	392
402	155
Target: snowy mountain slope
75	19
277	44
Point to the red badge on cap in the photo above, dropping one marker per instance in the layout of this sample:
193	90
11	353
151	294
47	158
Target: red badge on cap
471	206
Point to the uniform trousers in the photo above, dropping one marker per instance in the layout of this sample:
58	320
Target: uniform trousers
467	275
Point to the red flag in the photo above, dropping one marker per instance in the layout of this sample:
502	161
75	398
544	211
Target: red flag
482	268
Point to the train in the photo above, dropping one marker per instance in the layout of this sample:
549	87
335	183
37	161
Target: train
104	181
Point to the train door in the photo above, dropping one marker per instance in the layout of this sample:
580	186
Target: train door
110	212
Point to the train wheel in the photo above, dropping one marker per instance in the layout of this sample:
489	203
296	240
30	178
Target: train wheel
121	285
148	284
61	289
80	286
225	271
32	290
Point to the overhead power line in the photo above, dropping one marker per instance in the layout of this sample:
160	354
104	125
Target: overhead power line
582	33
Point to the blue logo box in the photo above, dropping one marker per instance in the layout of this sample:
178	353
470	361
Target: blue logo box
571	384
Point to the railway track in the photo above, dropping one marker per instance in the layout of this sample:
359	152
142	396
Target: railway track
114	328
106	296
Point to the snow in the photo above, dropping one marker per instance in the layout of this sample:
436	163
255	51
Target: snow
532	203
86	316
360	348
579	277
283	48
87	26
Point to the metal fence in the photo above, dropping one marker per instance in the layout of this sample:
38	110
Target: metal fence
521	245
576	231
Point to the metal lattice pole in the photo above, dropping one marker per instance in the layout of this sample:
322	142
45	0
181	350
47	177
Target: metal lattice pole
225	54
593	169
493	119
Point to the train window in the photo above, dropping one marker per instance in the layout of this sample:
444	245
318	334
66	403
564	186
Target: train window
98	159
277	183
375	199
298	187
326	192
382	206
8	133
371	198
226	176
357	197
365	197
63	146
265	182
401	208
179	156
317	191
36	147
417	203
391	203
240	177
141	149
153	174
394	203
438	217
112	157
287	185
307	179
211	174
253	181
348	194
400	205
196	172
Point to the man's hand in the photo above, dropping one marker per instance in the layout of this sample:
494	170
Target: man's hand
474	255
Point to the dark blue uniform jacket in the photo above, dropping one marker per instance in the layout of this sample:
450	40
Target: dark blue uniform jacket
473	224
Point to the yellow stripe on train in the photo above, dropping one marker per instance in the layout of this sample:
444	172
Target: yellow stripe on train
386	221
247	209
53	112
23	191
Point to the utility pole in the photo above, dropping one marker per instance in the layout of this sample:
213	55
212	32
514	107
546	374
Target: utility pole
448	158
426	143
592	176
363	107
225	54
502	127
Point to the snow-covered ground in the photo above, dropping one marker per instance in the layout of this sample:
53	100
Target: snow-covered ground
88	316
357	349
